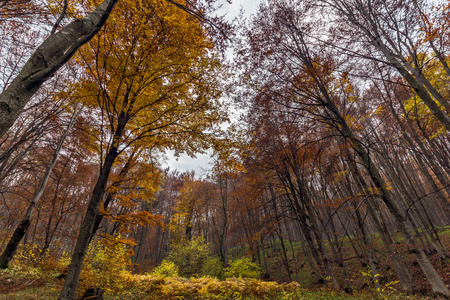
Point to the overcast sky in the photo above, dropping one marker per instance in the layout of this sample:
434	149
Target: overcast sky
203	162
232	10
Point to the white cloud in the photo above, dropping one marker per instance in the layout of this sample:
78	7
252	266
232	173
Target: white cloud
203	162
200	164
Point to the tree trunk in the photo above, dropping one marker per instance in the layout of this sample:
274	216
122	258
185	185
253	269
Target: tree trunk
114	188
405	277
22	228
86	230
69	289
14	242
372	32
48	58
433	277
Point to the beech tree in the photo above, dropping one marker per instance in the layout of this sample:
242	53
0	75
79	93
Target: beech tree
24	224
392	29
336	169
151	79
302	75
48	58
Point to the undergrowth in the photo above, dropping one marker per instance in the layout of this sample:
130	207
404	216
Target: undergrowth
107	266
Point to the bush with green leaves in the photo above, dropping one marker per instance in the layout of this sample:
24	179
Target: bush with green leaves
107	263
189	255
243	268
212	267
166	269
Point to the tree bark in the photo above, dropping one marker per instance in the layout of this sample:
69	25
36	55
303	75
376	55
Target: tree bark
86	229
433	277
438	286
69	289
48	58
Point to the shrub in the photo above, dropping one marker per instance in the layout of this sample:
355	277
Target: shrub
107	265
166	269
155	288
189	255
212	267
243	268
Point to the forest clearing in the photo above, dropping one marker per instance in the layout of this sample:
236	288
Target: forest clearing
325	123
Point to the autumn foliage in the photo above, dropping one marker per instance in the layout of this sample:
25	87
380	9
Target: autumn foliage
327	123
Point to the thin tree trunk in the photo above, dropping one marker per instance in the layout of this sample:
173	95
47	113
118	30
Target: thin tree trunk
415	82
22	228
433	277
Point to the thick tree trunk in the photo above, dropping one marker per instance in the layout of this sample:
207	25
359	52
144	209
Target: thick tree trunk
433	277
84	237
111	195
14	242
48	58
69	289
421	91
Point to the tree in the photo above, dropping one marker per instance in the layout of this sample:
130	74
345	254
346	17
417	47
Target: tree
24	224
194	199
151	78
50	56
391	29
302	79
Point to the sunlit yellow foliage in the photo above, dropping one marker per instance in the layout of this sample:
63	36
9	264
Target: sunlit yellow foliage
189	255
167	268
415	107
384	290
152	287
152	67
108	263
243	268
26	254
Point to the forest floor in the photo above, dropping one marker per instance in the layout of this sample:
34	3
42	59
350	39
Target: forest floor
27	281
30	283
28	287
